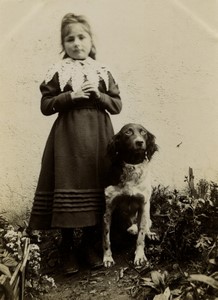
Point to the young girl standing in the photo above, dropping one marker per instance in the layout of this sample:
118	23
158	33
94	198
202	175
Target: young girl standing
70	190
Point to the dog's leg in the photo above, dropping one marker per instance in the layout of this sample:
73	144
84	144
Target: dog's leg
140	257
110	194
107	259
144	223
150	234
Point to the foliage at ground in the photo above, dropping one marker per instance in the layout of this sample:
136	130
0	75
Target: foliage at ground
14	243
183	262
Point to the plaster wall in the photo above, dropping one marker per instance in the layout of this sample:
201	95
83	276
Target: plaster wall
165	57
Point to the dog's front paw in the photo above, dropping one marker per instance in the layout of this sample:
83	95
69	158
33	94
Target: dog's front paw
133	229
152	235
108	261
140	258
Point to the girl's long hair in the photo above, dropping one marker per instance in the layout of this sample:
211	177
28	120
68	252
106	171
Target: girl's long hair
73	19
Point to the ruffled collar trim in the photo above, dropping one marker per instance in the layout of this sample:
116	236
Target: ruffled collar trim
75	72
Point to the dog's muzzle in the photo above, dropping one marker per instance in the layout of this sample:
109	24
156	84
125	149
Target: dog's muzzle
139	144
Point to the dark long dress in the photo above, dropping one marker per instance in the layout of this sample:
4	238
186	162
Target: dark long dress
70	191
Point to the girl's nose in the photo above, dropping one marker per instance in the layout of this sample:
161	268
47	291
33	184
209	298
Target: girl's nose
76	42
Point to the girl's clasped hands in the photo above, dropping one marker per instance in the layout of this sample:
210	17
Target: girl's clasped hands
84	92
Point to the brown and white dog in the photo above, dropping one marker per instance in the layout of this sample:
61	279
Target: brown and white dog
131	150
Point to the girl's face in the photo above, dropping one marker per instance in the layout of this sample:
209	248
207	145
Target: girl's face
77	42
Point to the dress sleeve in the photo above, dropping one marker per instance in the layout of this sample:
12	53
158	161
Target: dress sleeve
111	100
53	100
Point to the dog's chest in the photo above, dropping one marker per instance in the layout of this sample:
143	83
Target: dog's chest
134	181
131	173
134	178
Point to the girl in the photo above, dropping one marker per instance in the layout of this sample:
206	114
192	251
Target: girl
70	190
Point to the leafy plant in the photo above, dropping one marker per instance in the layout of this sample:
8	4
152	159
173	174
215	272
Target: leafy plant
36	283
180	221
12	241
11	247
186	254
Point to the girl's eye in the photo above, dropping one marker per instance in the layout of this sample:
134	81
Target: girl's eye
129	132
70	39
143	132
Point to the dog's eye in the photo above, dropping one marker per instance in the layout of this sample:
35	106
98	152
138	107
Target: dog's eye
129	132
143	132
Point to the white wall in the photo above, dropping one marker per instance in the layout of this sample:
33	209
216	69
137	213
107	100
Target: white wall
165	57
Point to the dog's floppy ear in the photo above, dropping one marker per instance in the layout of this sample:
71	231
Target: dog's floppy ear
113	147
151	145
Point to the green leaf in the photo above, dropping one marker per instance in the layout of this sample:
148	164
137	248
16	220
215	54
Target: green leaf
9	261
164	296
160	297
214	275
5	270
149	284
205	279
156	277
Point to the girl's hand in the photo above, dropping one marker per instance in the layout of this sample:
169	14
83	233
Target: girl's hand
88	87
80	94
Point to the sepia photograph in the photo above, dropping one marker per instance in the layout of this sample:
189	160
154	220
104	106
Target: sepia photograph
109	142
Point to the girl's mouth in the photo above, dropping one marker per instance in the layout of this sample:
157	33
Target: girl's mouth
78	50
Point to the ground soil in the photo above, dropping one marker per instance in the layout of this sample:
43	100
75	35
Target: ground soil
117	282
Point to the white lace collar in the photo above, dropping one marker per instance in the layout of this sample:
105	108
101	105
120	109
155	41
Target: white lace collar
74	72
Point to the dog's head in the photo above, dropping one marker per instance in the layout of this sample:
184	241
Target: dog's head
132	144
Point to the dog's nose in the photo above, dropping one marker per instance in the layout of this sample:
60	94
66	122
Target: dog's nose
139	143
